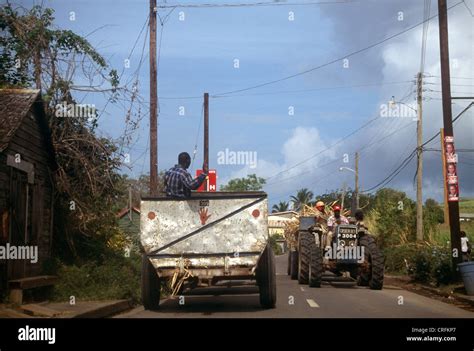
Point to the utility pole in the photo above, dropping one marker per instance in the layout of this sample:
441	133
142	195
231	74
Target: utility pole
453	206
206	135
343	196
153	104
419	173
130	202
356	180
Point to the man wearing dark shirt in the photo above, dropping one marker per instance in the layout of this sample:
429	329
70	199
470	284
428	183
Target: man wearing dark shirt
178	182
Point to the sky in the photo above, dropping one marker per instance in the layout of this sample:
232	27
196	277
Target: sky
297	127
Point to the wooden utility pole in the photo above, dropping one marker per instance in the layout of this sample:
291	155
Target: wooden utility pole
206	135
419	174
356	180
343	196
445	187
153	104
453	206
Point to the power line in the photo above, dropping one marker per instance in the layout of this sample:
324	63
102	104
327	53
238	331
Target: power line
288	91
470	78
455	92
390	127
320	179
467	7
337	160
391	176
299	174
327	148
385	137
257	4
453	85
407	160
333	61
331	146
426	15
454	120
315	89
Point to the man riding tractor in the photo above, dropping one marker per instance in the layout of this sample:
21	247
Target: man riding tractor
334	221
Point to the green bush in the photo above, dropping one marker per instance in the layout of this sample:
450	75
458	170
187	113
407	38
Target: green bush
422	266
442	268
117	277
422	262
395	257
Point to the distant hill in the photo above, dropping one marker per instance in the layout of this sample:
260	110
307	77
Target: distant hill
466	206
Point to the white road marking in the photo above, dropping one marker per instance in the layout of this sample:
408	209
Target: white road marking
312	303
302	289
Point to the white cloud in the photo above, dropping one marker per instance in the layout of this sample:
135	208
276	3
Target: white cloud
299	149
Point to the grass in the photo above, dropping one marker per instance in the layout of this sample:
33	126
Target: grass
465	205
444	233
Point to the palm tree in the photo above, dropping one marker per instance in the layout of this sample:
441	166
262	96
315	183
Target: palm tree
281	207
303	197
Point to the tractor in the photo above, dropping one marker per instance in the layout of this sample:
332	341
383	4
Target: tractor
352	257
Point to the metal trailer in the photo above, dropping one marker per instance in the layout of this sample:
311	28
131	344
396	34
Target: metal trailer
211	237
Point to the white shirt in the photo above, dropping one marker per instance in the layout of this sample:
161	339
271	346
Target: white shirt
332	221
464	241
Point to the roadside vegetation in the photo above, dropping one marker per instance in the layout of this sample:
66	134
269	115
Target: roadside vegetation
391	217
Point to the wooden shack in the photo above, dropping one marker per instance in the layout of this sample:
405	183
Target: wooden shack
26	187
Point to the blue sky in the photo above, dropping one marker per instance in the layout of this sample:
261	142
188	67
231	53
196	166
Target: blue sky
197	55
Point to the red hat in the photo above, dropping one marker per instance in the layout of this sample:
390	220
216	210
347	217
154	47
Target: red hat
336	208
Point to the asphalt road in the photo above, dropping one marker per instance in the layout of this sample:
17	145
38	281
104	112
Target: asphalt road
298	301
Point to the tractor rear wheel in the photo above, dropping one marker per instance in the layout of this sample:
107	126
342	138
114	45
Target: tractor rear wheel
305	239
315	266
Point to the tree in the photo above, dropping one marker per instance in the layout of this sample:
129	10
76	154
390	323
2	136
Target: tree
282	206
394	216
250	183
303	197
36	54
433	215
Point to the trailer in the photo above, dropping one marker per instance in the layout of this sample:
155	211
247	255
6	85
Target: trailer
209	237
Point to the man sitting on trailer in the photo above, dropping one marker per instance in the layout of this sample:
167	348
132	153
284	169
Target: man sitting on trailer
178	181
